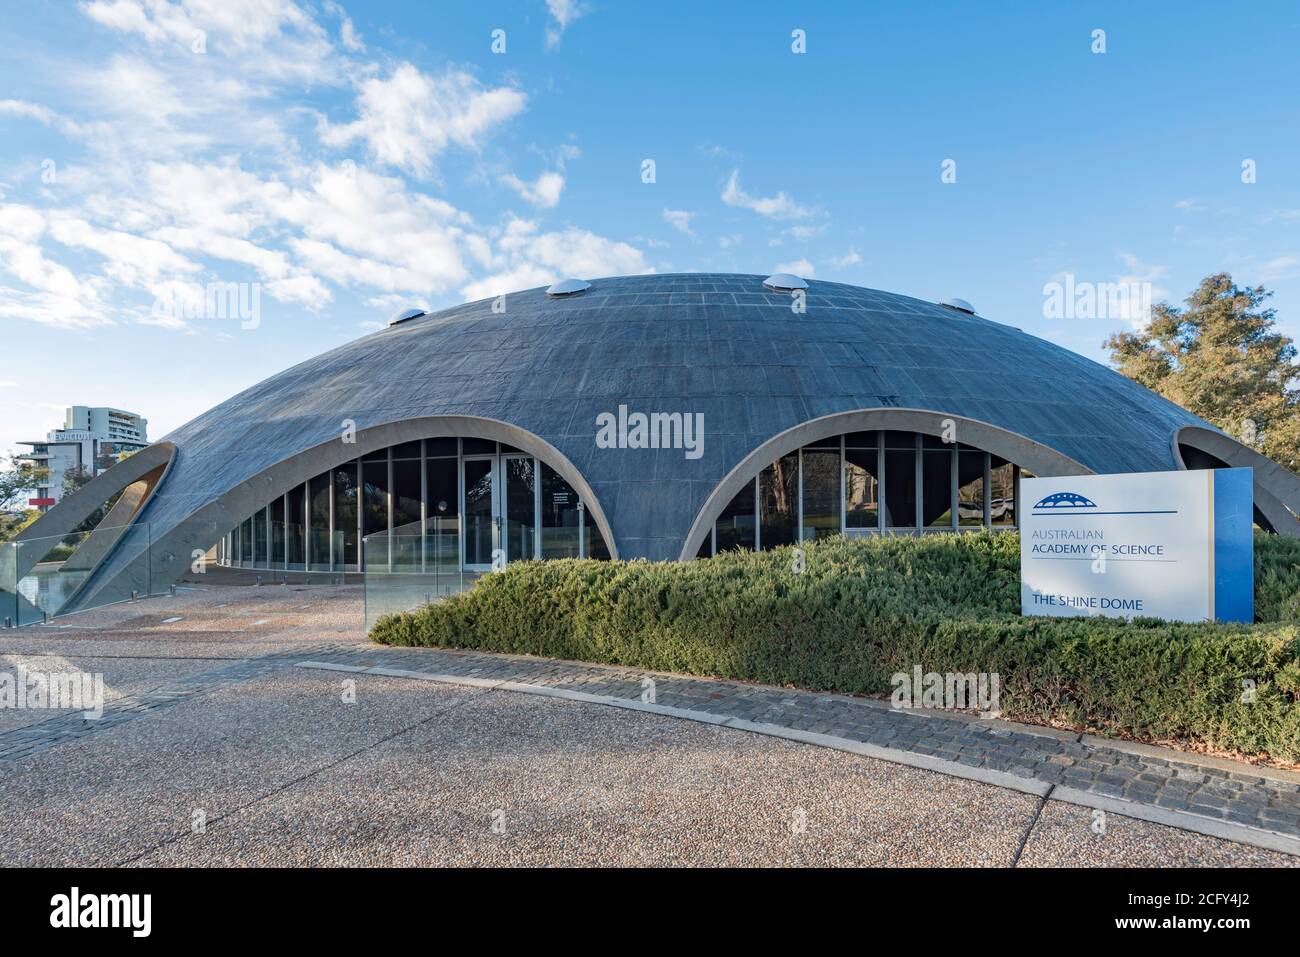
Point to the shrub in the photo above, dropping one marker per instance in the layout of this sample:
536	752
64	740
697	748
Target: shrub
865	609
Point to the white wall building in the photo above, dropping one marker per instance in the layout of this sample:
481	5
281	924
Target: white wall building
93	439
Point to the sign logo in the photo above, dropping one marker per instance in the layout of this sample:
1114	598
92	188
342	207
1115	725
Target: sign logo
1065	500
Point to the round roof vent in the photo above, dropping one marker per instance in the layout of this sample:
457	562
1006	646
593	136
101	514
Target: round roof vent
784	282
406	314
568	287
961	305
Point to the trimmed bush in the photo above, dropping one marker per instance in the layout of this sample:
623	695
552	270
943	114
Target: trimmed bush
865	609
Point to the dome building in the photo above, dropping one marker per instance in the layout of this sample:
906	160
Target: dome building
661	417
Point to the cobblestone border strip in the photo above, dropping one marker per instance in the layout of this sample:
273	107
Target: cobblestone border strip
1077	773
1186	820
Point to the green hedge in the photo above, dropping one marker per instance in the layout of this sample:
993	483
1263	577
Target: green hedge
863	610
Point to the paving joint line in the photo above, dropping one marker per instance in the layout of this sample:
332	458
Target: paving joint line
180	835
1033	823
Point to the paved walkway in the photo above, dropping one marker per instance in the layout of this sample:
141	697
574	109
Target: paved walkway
63	726
177	658
1257	806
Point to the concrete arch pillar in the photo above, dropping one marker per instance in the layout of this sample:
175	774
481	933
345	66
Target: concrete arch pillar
144	471
1277	489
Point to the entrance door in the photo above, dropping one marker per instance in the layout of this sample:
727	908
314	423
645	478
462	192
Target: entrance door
500	509
480	511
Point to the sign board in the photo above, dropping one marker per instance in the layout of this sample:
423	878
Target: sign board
1174	545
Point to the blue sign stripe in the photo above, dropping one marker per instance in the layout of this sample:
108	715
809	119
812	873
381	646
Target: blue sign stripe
1234	546
1154	511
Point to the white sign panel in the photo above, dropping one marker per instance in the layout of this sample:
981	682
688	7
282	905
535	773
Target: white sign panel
1174	545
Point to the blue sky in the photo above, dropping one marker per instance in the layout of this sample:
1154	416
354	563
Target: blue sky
354	159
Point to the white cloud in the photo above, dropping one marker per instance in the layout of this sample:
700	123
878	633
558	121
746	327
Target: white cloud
269	38
145	111
303	289
850	258
393	302
409	118
162	21
42	114
131	260
805	233
680	220
54	294
198	168
779	206
139	90
800	267
527	258
269	263
717	151
1279	267
726	242
563	12
348	35
346	269
1133	310
544	192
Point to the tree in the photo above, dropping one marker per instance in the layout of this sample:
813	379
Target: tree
17	480
1222	359
18	477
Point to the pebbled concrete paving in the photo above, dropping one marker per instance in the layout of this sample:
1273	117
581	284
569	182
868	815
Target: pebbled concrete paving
1064	836
1258	805
575	784
286	772
109	797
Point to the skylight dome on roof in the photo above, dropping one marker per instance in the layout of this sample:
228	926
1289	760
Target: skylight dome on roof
406	314
784	282
568	287
961	305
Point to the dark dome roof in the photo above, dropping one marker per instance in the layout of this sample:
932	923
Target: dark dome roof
719	344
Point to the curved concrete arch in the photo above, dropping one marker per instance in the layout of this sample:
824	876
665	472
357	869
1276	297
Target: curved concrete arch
171	554
111	527
1038	458
1277	489
150	466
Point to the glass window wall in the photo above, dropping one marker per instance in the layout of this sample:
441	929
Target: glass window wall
295	528
900	479
447	510
888	480
561	517
821	492
346	546
778	502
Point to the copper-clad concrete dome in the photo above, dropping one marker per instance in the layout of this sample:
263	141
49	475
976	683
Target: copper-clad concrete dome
834	406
